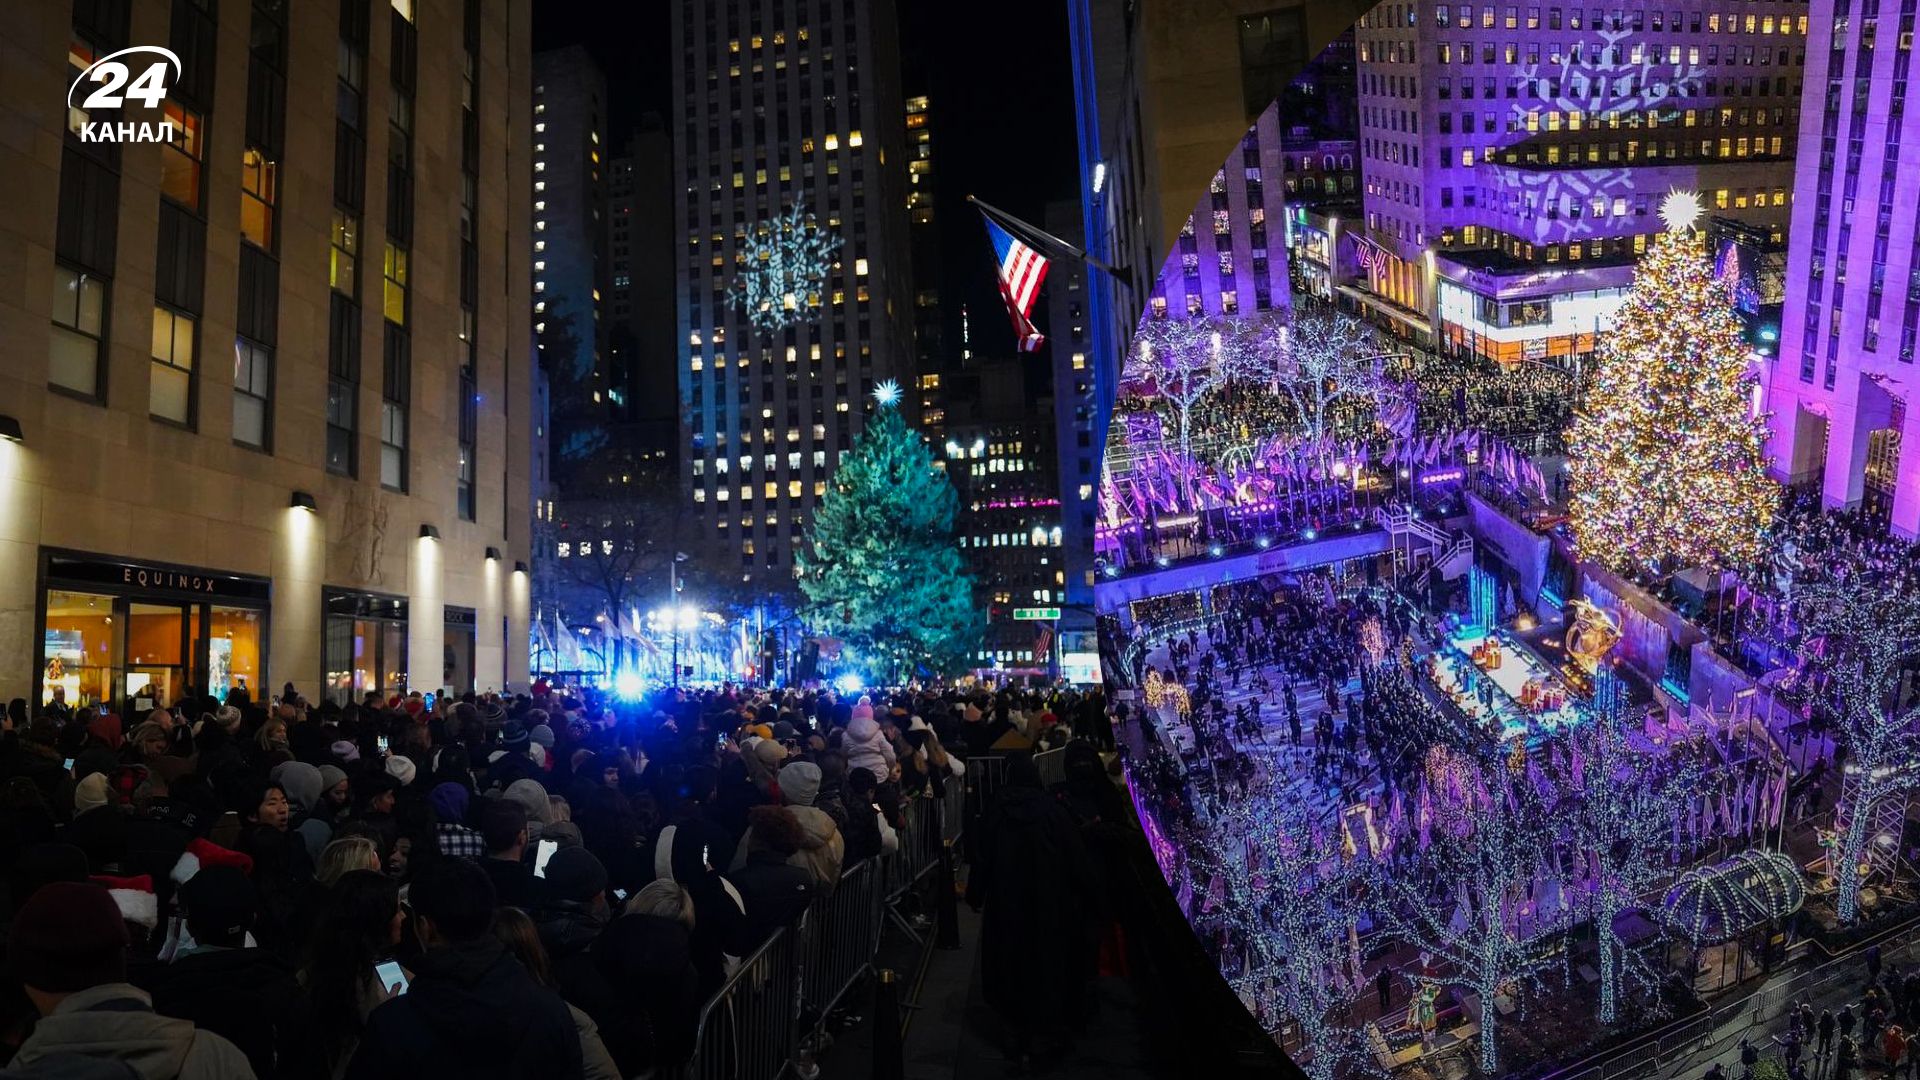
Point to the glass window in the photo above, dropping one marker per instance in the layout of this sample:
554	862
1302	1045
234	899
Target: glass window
258	193
157	670
233	651
80	650
394	267
252	390
346	251
393	445
180	160
172	389
79	302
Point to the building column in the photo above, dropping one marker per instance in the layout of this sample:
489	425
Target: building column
20	497
1858	408
489	651
426	614
519	606
297	622
1906	495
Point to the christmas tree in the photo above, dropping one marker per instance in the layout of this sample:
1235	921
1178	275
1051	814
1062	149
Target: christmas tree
1667	462
880	568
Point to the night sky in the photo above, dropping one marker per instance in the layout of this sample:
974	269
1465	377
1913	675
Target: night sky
999	78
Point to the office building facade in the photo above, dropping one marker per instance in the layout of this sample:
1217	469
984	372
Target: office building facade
1841	392
270	375
797	102
1514	156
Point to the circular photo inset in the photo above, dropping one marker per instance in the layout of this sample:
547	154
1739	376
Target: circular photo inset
1513	628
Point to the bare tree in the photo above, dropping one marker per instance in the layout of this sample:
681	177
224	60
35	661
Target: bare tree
1320	361
1182	361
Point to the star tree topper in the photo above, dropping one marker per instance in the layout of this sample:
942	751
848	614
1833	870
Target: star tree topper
1682	210
886	393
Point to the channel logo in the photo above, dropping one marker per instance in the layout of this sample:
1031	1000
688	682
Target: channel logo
114	84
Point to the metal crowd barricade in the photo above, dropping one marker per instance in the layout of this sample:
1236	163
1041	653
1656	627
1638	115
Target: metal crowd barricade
747	1030
843	935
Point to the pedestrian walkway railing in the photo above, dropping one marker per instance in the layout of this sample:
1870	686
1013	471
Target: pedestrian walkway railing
748	1028
841	938
769	1009
1750	1013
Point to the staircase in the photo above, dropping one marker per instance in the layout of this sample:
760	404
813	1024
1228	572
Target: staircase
1449	554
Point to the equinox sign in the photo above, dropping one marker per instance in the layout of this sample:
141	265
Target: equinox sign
118	83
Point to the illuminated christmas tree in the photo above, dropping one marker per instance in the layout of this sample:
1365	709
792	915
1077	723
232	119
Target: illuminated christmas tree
880	566
1667	462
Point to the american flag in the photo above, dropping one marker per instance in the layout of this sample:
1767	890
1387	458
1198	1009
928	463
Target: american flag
1022	269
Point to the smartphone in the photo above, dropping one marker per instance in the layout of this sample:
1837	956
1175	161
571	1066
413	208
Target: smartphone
391	977
620	895
427	699
547	848
69	764
381	742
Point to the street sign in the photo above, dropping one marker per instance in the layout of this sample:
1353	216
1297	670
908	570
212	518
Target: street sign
1036	614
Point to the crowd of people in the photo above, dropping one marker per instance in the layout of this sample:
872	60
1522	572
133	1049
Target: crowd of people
410	884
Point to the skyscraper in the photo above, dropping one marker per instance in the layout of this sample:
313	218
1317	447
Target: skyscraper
571	273
1514	157
640	307
1842	391
271	377
1077	442
793	103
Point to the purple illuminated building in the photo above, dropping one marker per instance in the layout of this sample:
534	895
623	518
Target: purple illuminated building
1840	392
1514	156
1231	255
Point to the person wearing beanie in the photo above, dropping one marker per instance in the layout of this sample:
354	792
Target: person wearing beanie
514	763
471	1008
68	948
346	751
541	734
822	850
866	746
401	769
538	804
570	918
449	802
92	793
220	982
335	793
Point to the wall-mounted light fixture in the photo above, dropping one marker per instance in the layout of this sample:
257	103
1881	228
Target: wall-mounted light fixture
519	567
303	500
428	532
493	554
10	430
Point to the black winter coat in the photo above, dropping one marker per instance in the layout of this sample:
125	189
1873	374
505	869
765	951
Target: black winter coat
1035	881
472	1011
247	996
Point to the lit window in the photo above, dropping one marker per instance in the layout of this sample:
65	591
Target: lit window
171	396
258	183
394	268
180	160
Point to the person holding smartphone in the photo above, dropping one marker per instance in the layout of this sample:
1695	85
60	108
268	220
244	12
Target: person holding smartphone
350	962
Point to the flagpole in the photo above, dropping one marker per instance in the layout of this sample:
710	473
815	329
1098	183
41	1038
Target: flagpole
1046	239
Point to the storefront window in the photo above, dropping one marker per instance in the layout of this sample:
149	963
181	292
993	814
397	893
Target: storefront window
456	670
365	654
233	652
156	655
81	648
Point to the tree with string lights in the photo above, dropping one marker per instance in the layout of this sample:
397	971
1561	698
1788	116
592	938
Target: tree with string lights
1666	460
1626	804
880	566
1474	913
1859	641
1295	901
1182	362
1324	361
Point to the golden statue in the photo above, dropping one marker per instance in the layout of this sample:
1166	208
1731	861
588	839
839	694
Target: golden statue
1591	635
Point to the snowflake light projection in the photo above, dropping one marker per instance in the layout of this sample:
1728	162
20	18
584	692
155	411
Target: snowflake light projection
785	262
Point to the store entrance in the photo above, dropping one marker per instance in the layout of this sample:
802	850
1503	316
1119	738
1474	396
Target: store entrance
159	644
